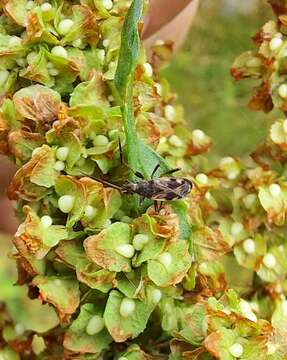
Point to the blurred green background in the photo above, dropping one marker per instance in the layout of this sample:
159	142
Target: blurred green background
213	102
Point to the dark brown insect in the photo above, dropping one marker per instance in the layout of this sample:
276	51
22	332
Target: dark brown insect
159	190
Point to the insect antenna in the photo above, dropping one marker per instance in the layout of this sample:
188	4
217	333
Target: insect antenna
104	182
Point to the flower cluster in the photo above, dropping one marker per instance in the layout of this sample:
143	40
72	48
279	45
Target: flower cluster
128	281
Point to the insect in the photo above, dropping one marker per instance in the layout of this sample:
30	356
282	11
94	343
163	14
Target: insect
164	188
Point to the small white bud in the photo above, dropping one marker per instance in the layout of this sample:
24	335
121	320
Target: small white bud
65	26
269	261
46	221
31	57
100	140
59	166
236	350
202	179
126	250
108	4
123	358
59	51
46	7
106	43
203	268
275	44
169	112
127	307
275	190
175	141
62	153
165	259
29	5
249	200
156	295
95	325
148	69
90	211
58	282
53	72
284	307
198	137
282	91
158	88
101	55
4	74
236	228
285	126
77	43
139	241
66	203
249	246
19	329
228	160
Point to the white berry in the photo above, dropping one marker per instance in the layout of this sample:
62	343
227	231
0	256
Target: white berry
275	43
77	43
236	228
106	43
175	141
165	259
100	140
15	41
59	51
101	55
275	190
202	179
90	211
126	250
169	112
236	350
65	26
62	153
249	246
249	200
269	261
95	325
53	72
66	203
148	69
127	307
59	166
19	329
29	5
46	7
156	295
108	4
282	91
158	88
139	241
46	221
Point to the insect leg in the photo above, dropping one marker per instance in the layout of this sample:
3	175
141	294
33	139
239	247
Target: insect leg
155	204
169	172
155	170
136	173
160	206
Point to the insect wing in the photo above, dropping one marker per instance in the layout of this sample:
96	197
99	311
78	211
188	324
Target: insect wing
170	189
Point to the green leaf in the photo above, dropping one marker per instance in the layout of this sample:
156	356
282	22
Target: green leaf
101	248
172	274
61	292
123	328
140	157
130	47
181	209
78	340
66	185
